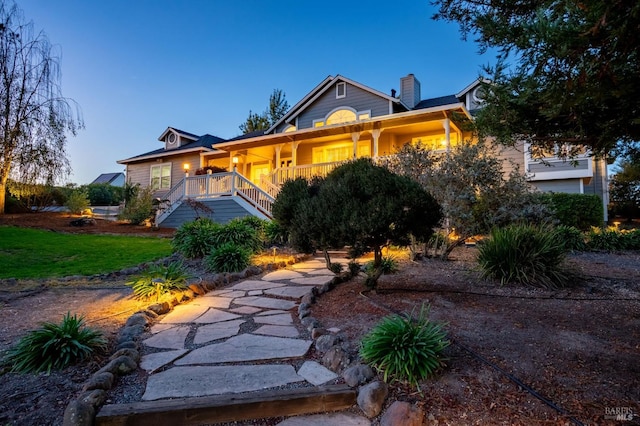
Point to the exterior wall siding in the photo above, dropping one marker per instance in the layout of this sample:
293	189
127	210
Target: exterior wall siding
570	186
224	209
356	98
140	173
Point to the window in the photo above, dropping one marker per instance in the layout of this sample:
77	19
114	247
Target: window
341	90
340	152
289	128
161	176
341	116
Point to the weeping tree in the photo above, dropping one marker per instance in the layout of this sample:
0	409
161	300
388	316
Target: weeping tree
358	204
34	116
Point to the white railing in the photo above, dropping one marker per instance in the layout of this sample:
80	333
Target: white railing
268	186
201	187
308	171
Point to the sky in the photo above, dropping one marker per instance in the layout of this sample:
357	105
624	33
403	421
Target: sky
136	67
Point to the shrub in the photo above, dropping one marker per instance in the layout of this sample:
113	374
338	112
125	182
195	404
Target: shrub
228	258
571	238
159	280
140	207
389	265
631	239
607	239
581	211
336	267
103	194
405	349
77	201
238	233
525	254
195	239
354	268
275	234
55	346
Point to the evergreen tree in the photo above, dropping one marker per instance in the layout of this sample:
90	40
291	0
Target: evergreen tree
278	107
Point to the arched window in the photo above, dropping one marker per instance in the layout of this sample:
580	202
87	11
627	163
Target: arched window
341	116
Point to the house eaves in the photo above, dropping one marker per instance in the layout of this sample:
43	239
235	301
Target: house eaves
163	153
408	117
471	86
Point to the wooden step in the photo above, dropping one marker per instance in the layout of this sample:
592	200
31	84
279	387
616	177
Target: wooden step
228	408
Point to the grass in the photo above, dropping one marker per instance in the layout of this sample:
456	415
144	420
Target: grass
31	253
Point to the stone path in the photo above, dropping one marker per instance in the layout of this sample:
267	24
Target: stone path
240	339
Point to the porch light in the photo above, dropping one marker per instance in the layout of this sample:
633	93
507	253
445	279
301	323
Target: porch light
185	167
234	160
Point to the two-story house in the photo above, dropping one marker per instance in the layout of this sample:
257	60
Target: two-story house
340	119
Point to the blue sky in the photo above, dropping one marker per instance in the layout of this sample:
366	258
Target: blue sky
136	67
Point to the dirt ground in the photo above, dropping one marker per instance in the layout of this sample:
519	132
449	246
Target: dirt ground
578	348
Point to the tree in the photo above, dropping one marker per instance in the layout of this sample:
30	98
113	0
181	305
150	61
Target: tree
34	116
358	204
278	106
625	184
470	185
573	76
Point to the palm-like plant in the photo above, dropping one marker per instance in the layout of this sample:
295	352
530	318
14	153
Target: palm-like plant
159	280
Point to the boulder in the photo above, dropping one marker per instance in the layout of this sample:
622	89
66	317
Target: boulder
102	381
402	414
336	359
358	374
371	398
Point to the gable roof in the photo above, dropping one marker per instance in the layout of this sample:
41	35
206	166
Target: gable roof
434	102
319	90
182	133
203	143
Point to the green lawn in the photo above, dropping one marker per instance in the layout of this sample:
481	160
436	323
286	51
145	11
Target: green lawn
33	253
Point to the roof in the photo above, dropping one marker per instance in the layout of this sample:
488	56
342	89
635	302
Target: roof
203	143
178	131
108	177
434	102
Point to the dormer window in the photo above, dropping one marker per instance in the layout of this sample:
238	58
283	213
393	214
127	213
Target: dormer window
172	138
341	90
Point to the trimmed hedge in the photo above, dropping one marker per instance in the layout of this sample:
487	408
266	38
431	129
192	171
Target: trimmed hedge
580	211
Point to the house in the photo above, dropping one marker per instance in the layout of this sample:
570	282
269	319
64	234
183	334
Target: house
113	179
337	120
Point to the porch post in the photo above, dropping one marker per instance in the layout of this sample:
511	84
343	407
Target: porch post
231	155
355	136
447	133
278	149
376	134
294	153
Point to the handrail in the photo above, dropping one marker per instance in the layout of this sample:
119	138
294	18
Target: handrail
217	185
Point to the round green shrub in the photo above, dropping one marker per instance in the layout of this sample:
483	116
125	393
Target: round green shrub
405	349
238	233
571	238
228	258
524	254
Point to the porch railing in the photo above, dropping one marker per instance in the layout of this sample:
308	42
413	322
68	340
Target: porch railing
201	187
282	174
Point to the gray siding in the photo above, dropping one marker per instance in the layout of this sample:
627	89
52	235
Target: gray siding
224	209
559	166
140	173
511	158
356	98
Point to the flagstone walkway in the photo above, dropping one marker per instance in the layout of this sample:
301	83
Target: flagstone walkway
238	339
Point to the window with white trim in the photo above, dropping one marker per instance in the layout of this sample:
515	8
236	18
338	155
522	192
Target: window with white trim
341	90
340	152
161	176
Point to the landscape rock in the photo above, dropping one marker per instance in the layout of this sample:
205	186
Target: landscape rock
131	353
127	345
357	375
371	398
79	413
326	341
318	331
137	319
402	413
336	359
160	308
120	366
309	322
95	397
198	289
103	380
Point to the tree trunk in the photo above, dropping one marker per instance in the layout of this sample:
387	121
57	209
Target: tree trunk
451	246
327	259
3	193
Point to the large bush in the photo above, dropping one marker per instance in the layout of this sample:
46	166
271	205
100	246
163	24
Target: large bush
524	254
581	211
140	207
228	257
77	201
243	233
103	194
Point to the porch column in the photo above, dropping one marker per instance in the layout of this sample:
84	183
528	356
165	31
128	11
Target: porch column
294	153
447	133
355	136
278	149
375	133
